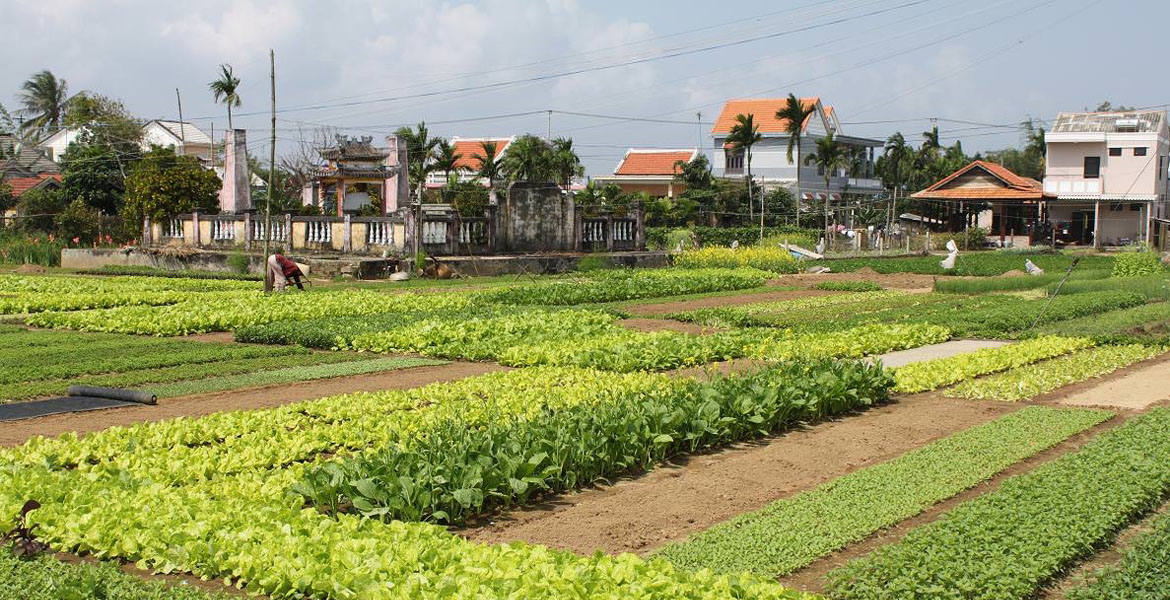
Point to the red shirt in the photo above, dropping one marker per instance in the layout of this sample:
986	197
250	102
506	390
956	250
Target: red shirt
288	267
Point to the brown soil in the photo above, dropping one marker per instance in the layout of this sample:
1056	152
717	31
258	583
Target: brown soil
718	301
812	577
652	325
640	513
1013	273
214	586
17	432
1106	558
222	337
894	281
29	269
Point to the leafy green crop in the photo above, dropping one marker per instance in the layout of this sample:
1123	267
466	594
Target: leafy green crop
1022	383
628	284
983	285
849	286
1010	542
933	374
455	467
791	533
774	260
1153	287
1144	324
970	263
1130	264
1142	573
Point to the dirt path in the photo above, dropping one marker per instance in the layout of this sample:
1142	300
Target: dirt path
1135	387
718	301
894	281
17	432
811	578
671	502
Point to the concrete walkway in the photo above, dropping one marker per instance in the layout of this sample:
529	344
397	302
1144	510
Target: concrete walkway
902	358
1134	391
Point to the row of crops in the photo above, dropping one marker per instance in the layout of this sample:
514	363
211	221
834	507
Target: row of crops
226	495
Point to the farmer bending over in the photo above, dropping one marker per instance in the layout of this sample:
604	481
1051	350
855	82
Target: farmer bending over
281	270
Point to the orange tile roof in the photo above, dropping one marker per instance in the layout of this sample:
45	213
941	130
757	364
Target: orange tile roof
764	110
653	162
468	148
21	185
1015	187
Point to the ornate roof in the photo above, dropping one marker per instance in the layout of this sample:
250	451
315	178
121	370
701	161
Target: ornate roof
348	148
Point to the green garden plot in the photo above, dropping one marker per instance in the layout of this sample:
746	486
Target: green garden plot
1144	571
1143	324
628	284
1010	542
941	372
791	533
46	578
1011	284
973	263
1025	382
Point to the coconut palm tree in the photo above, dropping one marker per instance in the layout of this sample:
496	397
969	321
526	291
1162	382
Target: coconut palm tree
564	162
793	115
528	159
43	99
829	157
420	154
489	162
225	89
896	152
446	158
743	135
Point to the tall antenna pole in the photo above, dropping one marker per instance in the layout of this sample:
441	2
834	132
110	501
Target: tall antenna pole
182	125
699	130
214	150
271	168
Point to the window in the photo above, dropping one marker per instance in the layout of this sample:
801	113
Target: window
1135	207
1160	167
734	159
1139	151
1092	167
1115	152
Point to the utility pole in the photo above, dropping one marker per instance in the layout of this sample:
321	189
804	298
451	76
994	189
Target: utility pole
182	125
699	130
549	138
214	150
271	169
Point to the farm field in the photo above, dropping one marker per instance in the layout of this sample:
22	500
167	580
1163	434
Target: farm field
722	428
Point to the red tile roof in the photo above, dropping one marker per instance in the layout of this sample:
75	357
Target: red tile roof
470	147
653	162
1015	187
21	185
764	110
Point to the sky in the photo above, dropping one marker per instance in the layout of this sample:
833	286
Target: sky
615	74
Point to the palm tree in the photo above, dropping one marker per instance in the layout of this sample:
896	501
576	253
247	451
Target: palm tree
489	163
420	154
896	152
225	89
446	158
743	135
793	115
564	162
828	157
43	98
528	159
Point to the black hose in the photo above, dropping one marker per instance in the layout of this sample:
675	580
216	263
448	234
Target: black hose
113	393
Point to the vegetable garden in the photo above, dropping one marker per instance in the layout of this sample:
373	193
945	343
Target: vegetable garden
378	494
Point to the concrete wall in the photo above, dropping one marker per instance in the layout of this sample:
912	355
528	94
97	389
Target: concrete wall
1120	175
536	217
1112	225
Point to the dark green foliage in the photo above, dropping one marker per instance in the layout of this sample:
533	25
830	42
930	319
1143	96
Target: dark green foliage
723	236
163	184
1144	570
158	272
1153	287
46	578
459	471
1010	542
1143	324
975	263
1008	284
849	286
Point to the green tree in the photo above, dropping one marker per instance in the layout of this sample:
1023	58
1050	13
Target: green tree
105	121
7	201
93	173
38	209
80	221
163	184
446	158
793	115
699	187
564	162
420	155
43	99
829	157
489	163
529	158
226	90
743	135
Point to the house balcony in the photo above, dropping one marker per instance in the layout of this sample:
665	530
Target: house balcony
1072	186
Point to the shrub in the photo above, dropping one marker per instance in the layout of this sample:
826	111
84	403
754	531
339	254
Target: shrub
239	262
768	259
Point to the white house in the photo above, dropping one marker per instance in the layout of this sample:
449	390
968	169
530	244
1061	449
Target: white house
650	170
1107	175
184	137
770	163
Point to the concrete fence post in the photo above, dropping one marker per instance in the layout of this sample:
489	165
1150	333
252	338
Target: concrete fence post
146	241
490	234
639	226
578	227
288	233
408	222
195	241
609	232
248	232
347	234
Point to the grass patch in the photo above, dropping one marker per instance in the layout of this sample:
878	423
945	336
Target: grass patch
849	286
986	285
1022	383
292	374
46	578
791	533
1151	287
980	264
1144	324
1142	573
1009	543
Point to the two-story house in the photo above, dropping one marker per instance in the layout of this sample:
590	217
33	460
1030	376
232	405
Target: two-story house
184	137
770	165
1107	175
